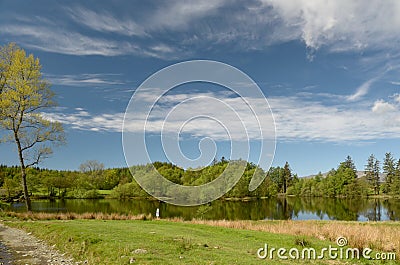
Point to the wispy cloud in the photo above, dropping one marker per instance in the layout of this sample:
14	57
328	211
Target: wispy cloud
175	29
178	15
359	94
296	119
361	90
396	98
313	121
83	120
50	38
105	22
322	23
84	79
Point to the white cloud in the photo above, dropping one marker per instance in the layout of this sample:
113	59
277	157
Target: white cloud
382	107
296	119
341	25
50	38
178	15
66	42
174	29
396	98
105	22
84	79
361	91
82	120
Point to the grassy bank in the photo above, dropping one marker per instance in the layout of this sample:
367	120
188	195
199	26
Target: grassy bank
382	236
102	241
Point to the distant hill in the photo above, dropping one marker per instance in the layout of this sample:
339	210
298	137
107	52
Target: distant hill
360	174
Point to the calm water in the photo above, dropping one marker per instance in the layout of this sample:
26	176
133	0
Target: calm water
273	208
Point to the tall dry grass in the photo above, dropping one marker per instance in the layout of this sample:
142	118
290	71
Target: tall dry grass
377	236
72	216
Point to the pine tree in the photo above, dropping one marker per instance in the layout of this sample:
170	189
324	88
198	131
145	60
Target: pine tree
350	164
395	187
389	170
287	177
372	170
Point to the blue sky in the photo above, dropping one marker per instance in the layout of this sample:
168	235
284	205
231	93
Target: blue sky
330	71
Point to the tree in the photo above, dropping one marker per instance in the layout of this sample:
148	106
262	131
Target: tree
24	95
276	176
350	164
91	166
287	177
372	170
395	187
11	186
94	170
389	169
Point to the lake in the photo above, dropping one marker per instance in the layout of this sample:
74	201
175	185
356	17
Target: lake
293	208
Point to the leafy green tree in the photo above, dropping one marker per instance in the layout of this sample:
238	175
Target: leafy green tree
94	174
276	175
12	187
123	191
110	179
349	163
372	170
287	177
24	97
395	187
389	169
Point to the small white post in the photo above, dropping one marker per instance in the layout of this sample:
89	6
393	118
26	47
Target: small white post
158	213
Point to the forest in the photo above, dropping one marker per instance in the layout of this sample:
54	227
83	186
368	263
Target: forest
92	180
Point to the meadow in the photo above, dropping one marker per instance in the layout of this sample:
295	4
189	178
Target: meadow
124	239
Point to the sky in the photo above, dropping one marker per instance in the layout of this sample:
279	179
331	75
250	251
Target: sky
330	71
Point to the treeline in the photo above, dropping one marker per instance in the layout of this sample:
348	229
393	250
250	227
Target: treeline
84	183
93	180
346	181
198	177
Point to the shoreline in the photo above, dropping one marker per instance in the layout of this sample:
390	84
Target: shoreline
5	254
88	237
19	247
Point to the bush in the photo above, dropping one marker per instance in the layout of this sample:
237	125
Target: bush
291	191
123	191
84	194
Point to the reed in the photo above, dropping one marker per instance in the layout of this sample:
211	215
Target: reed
382	236
72	216
379	236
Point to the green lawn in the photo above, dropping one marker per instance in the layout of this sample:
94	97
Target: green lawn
104	192
164	242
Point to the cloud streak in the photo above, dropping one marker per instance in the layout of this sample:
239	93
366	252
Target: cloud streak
296	119
340	25
47	37
361	91
175	29
84	80
105	22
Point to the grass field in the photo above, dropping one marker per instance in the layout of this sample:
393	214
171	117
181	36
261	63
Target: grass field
167	242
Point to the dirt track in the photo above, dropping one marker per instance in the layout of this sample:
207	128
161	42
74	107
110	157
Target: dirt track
18	247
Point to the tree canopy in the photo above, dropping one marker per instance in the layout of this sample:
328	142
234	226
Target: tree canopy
24	95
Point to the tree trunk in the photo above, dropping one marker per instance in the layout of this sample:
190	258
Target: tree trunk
23	175
26	193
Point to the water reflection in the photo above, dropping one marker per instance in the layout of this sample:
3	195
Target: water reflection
273	209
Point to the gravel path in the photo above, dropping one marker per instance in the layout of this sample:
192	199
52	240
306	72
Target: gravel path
5	255
18	247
